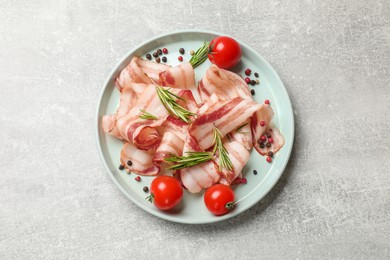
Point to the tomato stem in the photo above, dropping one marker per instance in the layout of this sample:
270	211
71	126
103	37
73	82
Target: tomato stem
230	205
150	198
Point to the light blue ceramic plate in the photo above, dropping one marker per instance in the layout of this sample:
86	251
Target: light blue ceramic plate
192	209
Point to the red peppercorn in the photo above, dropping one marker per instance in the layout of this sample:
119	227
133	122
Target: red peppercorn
165	50
262	123
270	140
266	102
269	159
247	80
180	58
243	180
263	138
138	178
248	72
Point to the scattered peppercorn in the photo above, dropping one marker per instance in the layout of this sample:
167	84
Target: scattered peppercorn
138	178
247	80
159	51
268	135
263	138
256	74
146	189
252	92
180	58
130	163
181	50
270	154
257	82
266	102
121	167
262	145
270	140
165	50
128	171
148	56
248	72
269	159
254	172
268	144
244	181
158	60
262	123
155	54
253	82
192	52
164	59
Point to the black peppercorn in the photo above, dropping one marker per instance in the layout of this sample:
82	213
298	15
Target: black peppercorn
146	189
181	50
253	82
148	56
159	51
254	172
164	59
121	167
252	92
270	154
155	54
129	163
256	74
268	135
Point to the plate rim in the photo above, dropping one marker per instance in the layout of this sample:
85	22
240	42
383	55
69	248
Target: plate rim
173	218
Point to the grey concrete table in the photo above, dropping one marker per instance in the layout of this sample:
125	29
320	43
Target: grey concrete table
333	201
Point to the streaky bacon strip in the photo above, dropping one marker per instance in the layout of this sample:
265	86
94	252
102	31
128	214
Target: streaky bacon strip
181	76
141	160
136	70
225	84
238	155
225	115
142	132
265	114
278	142
244	135
109	126
170	144
127	101
200	176
213	99
174	125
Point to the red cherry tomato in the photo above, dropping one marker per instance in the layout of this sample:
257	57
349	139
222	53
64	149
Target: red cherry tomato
219	199
165	192
225	52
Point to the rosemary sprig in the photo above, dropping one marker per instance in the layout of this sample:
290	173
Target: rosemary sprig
224	160
200	55
147	115
241	127
192	159
169	100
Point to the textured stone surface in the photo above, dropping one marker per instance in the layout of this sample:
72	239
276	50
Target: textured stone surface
333	201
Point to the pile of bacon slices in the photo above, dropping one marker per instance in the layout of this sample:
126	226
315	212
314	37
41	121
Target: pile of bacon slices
222	99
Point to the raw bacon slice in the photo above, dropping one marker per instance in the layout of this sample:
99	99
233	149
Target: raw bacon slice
225	84
170	144
265	114
109	126
174	125
142	132
213	99
181	76
199	176
278	142
136	70
127	101
239	156
225	115
141	160
244	135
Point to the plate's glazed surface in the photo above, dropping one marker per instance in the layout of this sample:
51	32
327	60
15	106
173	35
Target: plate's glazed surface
192	209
